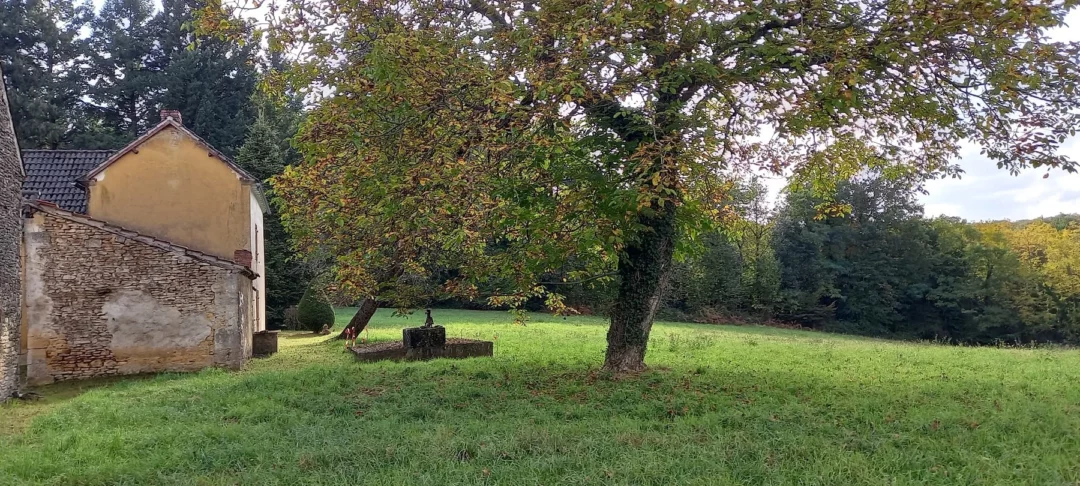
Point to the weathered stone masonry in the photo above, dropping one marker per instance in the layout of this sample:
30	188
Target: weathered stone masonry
101	300
11	177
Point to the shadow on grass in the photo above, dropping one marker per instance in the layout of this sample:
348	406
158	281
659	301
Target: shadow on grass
16	415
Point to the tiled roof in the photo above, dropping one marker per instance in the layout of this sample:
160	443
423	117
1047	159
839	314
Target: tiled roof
52	175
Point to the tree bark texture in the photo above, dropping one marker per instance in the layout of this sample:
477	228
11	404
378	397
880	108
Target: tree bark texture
644	268
362	317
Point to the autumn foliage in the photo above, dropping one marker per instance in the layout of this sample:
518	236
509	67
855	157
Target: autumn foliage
504	139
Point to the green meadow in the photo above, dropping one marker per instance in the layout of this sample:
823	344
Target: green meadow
719	405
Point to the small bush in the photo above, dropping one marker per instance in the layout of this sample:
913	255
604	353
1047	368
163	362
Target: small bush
314	312
292	318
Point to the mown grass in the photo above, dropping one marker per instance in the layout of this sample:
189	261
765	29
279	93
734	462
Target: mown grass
721	405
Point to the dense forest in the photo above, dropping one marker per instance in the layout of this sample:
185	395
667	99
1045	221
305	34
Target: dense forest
84	79
882	270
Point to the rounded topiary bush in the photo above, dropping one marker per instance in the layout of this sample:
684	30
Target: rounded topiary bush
314	312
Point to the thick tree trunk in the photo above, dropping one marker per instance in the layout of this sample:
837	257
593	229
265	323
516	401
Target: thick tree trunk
363	315
644	267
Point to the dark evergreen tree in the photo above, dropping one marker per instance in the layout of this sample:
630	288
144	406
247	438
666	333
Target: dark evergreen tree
806	282
43	59
210	80
264	154
144	61
314	311
126	66
858	268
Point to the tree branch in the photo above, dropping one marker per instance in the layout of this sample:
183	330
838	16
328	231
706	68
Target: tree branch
582	281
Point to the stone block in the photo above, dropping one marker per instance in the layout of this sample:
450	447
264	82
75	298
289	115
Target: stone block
456	348
424	337
264	343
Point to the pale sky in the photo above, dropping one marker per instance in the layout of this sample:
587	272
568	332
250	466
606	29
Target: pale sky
986	192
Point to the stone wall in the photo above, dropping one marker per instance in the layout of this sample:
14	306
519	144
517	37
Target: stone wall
10	235
103	301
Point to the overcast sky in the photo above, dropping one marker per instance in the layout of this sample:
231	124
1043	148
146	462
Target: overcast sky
986	192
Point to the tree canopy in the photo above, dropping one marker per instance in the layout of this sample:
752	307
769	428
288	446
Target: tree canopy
509	138
85	80
41	55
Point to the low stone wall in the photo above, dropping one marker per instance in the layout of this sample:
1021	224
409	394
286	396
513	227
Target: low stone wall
454	348
99	303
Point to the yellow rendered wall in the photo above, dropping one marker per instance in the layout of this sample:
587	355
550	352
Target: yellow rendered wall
174	190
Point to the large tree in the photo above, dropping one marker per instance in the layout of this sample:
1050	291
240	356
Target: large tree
43	53
126	69
209	80
265	153
858	272
515	133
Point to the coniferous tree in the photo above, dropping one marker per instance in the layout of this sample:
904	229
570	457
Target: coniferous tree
264	154
143	61
126	67
43	60
210	80
314	311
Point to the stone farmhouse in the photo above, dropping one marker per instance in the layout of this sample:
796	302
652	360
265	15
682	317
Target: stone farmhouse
145	259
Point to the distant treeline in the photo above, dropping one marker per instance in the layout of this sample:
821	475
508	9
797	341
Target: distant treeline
885	270
882	270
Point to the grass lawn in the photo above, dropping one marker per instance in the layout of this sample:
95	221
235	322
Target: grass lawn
720	405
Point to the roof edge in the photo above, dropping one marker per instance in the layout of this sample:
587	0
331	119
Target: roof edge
53	209
168	122
67	150
260	197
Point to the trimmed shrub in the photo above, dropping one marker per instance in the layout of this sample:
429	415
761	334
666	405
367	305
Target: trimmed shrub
314	312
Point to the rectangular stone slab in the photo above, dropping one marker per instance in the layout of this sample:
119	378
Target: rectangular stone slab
452	351
264	343
455	349
424	337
